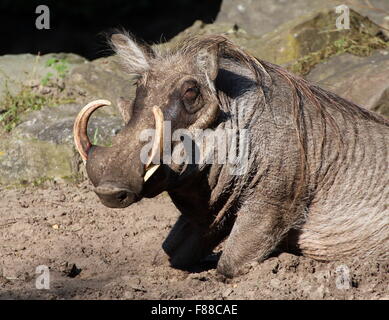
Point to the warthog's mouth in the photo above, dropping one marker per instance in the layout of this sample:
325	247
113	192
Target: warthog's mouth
114	196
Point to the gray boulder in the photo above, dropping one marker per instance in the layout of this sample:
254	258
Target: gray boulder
102	78
21	70
42	145
299	43
259	17
363	80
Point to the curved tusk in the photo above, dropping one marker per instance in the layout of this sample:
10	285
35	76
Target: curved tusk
158	138
150	172
157	144
80	127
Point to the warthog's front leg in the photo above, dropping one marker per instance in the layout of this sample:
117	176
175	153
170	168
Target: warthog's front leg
187	244
258	229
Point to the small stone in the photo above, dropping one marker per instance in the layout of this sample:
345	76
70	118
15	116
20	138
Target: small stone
128	295
319	293
275	283
227	293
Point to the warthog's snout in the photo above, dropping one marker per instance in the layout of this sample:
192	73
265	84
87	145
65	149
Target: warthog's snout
119	182
115	196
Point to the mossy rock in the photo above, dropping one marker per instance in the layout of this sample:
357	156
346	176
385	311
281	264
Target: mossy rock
102	78
316	33
301	43
263	16
42	147
17	71
317	40
26	160
39	144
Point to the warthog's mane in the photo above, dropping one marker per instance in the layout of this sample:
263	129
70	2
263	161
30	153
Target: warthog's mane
189	47
319	97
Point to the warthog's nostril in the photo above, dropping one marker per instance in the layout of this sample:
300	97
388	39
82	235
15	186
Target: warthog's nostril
122	195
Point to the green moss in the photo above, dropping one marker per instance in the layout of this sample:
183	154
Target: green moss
361	39
61	66
30	98
74	178
38	182
362	46
13	106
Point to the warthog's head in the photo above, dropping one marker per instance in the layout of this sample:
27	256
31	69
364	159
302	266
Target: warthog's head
176	87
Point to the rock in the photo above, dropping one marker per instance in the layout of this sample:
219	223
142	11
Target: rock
99	79
263	16
363	80
25	160
314	33
237	35
317	294
42	145
55	124
102	78
30	70
296	38
227	292
275	283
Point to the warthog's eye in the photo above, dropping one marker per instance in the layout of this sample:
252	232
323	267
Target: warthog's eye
191	93
191	96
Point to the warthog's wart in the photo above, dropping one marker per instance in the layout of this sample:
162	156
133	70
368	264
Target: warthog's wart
316	173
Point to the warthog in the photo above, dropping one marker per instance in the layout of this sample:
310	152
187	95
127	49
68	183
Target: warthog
316	175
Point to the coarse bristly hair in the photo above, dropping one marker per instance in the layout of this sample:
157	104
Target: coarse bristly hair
138	58
133	55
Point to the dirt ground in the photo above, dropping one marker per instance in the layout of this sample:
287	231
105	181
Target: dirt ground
98	253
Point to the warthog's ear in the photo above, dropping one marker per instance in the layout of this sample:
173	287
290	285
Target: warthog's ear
207	61
134	56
